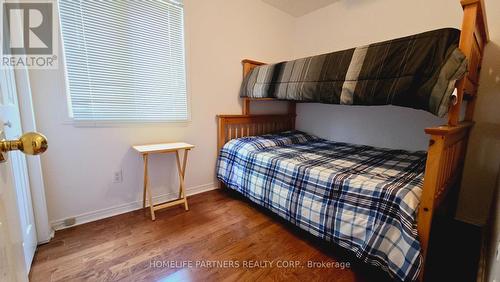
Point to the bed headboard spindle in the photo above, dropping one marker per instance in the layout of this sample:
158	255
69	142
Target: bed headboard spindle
236	126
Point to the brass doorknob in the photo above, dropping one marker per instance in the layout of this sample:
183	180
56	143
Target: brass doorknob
31	143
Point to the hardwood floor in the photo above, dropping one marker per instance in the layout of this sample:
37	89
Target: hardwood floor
219	228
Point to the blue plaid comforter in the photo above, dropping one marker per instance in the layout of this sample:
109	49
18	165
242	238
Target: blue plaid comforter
362	198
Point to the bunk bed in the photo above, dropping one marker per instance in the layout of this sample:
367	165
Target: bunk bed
428	176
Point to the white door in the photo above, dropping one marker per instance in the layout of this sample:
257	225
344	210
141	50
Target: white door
17	226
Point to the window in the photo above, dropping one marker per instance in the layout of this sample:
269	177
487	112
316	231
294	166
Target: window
124	60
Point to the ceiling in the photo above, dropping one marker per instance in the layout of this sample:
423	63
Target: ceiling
299	8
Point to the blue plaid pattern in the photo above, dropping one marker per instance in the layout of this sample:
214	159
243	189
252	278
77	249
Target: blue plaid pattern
362	198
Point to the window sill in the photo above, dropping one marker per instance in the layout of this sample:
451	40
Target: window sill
139	123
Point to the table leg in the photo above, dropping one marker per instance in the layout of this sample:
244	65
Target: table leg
145	160
184	162
181	170
147	190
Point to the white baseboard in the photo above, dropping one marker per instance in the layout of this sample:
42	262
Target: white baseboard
51	235
123	208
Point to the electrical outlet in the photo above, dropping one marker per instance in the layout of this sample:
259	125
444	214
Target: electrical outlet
118	176
69	221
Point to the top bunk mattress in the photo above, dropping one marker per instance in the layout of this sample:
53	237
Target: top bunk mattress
360	197
417	71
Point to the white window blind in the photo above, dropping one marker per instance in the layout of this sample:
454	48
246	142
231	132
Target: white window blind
125	59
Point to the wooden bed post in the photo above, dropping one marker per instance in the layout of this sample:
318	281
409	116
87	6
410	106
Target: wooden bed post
481	37
448	144
221	133
443	172
246	106
466	37
426	209
473	37
248	65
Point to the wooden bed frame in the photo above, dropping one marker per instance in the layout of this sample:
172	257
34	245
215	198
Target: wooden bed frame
447	144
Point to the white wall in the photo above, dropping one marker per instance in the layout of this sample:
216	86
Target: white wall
347	24
79	165
483	154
